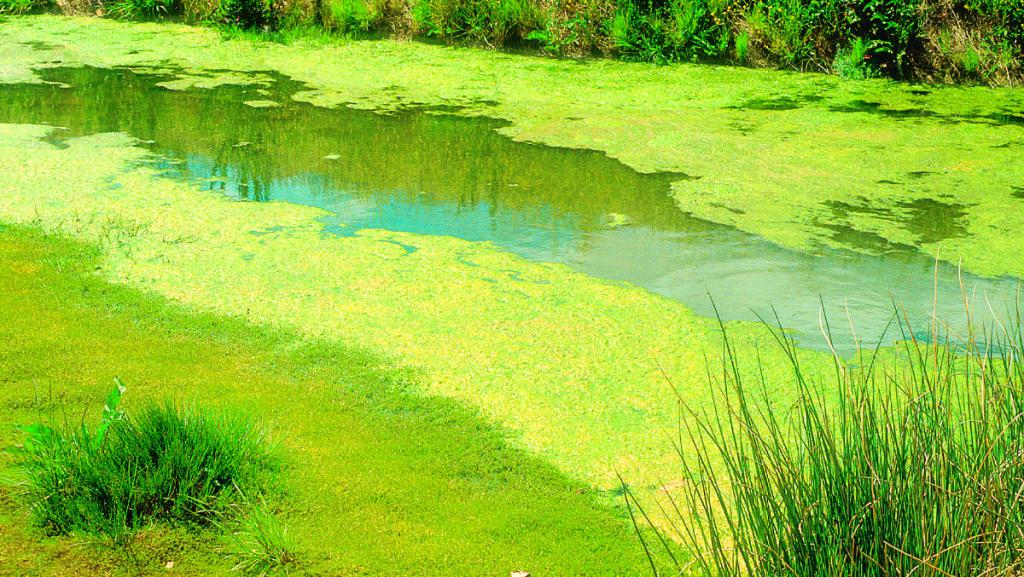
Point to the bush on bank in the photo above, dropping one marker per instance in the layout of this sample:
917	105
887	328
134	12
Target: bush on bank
972	41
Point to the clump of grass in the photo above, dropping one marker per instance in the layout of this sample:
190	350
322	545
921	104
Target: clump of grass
141	9
260	543
160	464
910	463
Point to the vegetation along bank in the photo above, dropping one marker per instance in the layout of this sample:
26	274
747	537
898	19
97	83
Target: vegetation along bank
108	267
949	41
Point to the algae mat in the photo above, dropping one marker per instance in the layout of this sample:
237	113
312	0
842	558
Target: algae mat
571	365
804	160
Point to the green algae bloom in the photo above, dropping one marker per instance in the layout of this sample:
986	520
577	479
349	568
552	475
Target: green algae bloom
575	367
551	354
803	160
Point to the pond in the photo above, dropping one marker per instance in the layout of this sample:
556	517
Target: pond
425	171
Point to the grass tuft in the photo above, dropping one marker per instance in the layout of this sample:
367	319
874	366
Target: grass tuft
161	464
260	543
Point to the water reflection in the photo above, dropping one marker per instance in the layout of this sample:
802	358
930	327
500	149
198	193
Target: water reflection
434	174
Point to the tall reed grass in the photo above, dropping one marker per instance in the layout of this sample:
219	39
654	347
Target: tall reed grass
909	462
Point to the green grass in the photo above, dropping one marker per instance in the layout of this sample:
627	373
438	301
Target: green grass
378	479
157	464
910	463
261	543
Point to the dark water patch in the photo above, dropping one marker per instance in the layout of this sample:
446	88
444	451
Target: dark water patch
1017	191
863	206
886	181
408	248
777	102
1007	118
864	240
920	173
744	127
933	221
878	108
731	209
929	220
39	45
436	174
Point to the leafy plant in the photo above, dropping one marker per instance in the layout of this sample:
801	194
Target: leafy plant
852	62
970	60
350	15
493	22
742	46
22	6
783	28
1007	17
246	14
891	28
672	31
136	9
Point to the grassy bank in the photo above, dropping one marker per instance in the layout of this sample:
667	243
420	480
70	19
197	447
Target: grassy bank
378	480
953	41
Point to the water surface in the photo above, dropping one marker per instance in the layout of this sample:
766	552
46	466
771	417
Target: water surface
425	172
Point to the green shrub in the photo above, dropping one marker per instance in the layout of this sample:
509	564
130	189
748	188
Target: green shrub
161	464
23	6
742	46
970	60
783	29
891	29
493	22
575	27
910	463
246	14
1006	16
349	15
671	31
142	9
852	62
